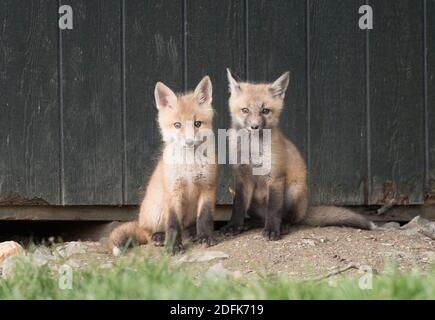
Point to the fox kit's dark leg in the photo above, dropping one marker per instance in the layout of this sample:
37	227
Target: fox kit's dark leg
173	233
242	199
158	239
191	232
275	209
204	225
252	223
204	218
173	236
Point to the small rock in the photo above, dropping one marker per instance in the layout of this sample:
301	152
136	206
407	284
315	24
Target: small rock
70	248
420	225
41	256
390	225
73	263
9	249
217	271
309	242
203	255
417	223
429	255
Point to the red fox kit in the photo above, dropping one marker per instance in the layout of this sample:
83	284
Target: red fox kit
279	198
179	195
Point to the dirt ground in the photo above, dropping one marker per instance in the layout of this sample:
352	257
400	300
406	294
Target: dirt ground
303	253
306	252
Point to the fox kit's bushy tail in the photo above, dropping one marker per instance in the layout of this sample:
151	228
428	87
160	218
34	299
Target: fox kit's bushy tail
323	216
121	234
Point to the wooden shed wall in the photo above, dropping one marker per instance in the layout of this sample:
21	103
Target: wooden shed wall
77	116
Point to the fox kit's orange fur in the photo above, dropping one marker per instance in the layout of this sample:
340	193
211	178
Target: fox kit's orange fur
179	195
281	197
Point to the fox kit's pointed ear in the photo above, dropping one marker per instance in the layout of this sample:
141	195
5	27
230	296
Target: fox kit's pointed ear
279	87
204	91
233	82
165	97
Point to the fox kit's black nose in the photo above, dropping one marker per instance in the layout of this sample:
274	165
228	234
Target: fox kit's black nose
189	142
255	127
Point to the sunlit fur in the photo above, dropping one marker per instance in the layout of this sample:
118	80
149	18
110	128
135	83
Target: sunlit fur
183	189
255	97
287	181
186	112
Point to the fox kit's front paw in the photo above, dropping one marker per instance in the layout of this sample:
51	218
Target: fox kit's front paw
271	235
231	229
158	239
175	248
207	240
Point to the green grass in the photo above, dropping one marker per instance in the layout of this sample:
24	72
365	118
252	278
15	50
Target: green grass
143	278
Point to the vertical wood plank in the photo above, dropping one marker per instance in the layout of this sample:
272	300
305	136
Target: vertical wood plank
29	114
154	52
397	106
338	96
92	104
278	43
215	41
430	85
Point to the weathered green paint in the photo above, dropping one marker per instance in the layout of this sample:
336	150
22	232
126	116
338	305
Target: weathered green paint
91	104
337	73
430	99
215	32
29	109
153	52
397	100
356	104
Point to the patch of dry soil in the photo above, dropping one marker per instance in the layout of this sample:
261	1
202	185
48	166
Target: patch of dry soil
307	251
304	252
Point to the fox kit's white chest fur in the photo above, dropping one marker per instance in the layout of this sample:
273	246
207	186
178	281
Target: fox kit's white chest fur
191	174
181	171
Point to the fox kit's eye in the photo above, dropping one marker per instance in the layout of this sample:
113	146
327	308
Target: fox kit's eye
245	110
177	125
198	124
265	111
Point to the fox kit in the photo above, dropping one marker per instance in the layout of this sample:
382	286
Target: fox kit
279	198
179	195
